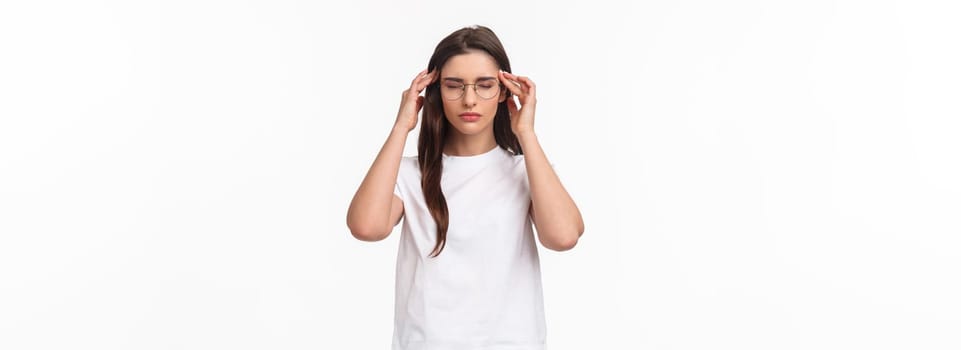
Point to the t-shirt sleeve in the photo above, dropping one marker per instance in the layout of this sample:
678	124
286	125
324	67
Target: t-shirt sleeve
400	179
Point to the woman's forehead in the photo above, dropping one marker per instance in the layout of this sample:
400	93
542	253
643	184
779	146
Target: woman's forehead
470	65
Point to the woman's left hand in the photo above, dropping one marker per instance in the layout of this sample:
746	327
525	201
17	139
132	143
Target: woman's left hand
522	118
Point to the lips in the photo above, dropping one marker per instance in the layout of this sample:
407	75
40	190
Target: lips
470	116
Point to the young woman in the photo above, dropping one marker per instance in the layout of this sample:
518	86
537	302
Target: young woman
468	272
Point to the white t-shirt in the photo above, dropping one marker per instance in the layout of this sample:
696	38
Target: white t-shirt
483	292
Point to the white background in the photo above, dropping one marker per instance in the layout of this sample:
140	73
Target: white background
752	174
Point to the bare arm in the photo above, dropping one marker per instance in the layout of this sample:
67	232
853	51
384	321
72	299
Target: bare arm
556	217
374	207
375	210
558	221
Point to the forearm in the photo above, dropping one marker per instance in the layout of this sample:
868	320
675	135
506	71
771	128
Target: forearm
369	213
558	221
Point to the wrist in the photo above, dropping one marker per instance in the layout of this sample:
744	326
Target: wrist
399	130
523	135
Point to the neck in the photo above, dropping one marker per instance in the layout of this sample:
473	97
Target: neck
469	145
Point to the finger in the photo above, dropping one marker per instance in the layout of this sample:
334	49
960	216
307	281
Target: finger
425	80
511	85
526	81
418	84
414	84
513	78
511	106
419	75
520	89
529	86
510	78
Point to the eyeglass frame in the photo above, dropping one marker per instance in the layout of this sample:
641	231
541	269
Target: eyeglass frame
463	91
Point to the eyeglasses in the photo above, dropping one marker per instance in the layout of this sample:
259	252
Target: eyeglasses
454	90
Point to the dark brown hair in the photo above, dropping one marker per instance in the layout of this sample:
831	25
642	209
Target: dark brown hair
434	127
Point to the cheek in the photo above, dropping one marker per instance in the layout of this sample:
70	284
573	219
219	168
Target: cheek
450	109
489	105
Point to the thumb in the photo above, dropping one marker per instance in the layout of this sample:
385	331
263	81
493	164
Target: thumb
511	106
420	102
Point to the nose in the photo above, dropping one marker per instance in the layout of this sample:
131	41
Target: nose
470	97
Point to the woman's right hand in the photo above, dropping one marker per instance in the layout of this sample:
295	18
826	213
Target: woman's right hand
411	101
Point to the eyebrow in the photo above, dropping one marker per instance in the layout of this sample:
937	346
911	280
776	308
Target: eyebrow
459	80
